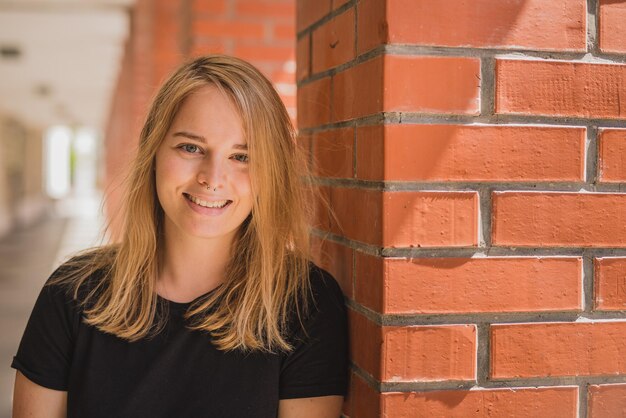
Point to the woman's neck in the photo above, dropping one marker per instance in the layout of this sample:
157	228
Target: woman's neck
190	267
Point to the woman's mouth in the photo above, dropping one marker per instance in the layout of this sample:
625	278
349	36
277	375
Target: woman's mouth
214	204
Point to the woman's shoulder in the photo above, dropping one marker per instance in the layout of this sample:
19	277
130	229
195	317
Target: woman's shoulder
317	365
326	304
323	285
81	274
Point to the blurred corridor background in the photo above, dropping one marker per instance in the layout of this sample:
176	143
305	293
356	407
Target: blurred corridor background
59	62
76	77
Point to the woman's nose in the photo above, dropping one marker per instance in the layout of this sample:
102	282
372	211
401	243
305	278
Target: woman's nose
210	173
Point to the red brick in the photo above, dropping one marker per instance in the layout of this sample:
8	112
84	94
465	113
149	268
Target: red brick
415	353
280	54
322	209
344	202
531	24
314	103
163	44
164	64
369	281
610	283
283	79
432	84
612	155
358	90
332	151
427	353
365	400
612	33
276	9
203	47
372	29
560	88
310	11
228	29
429	219
304	141
338	3
470	153
284	31
366	343
284	76
607	401
209	7
553	402
166	53
558	349
333	42
167	17
469	285
559	219
121	131
404	219
303	57
337	260
372	145
288	100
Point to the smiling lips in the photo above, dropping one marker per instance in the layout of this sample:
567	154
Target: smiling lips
216	204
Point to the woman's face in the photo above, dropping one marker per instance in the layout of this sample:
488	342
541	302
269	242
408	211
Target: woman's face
202	177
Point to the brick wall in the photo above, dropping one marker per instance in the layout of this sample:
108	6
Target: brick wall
164	33
474	155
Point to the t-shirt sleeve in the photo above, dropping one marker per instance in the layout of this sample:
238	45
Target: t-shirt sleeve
45	351
318	364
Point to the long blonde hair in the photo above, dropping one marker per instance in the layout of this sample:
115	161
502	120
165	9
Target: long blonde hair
267	276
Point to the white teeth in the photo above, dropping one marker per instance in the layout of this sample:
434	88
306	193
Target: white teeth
214	204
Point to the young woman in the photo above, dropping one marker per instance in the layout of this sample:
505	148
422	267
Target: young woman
209	305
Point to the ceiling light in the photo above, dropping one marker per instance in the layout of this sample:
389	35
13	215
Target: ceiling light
10	52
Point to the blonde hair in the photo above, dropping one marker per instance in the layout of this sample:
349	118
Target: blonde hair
267	276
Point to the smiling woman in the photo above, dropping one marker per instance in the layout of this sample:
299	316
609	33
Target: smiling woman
209	306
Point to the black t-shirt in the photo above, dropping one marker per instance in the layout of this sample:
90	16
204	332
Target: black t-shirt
178	372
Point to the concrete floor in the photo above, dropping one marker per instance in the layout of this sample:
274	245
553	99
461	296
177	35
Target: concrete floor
27	257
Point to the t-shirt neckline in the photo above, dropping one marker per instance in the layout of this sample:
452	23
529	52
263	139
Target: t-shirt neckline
181	306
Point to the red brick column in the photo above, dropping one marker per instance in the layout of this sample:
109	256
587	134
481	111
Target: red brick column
118	141
474	155
259	31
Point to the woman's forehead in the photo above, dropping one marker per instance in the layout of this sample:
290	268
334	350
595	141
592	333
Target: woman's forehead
206	113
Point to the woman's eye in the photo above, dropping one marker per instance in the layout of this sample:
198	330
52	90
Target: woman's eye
242	158
190	148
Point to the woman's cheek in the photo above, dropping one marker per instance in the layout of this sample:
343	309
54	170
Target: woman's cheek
243	179
179	167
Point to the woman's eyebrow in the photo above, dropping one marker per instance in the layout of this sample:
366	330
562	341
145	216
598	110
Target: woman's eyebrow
200	138
188	135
